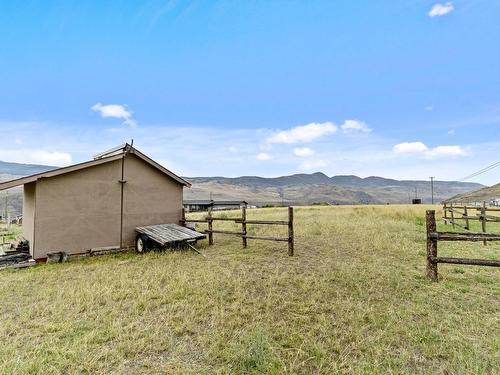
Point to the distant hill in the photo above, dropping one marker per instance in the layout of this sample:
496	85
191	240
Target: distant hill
10	171
318	187
294	189
18	169
483	194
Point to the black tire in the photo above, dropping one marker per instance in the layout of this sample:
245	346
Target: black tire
141	243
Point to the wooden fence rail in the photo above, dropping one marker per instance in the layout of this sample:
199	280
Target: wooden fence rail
209	219
433	236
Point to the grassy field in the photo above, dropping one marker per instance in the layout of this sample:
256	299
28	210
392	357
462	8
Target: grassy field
8	234
354	299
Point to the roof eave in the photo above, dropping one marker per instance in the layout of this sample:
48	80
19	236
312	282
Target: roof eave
56	172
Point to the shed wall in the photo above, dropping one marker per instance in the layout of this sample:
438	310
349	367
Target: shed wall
150	197
78	211
29	213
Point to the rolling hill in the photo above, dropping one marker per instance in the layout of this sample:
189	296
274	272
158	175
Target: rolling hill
484	194
18	169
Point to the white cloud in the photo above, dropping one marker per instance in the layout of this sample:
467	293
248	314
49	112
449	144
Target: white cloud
419	148
439	9
311	165
410	147
35	156
353	126
451	132
429	108
232	149
447	151
51	158
304	133
115	111
175	147
303	152
263	156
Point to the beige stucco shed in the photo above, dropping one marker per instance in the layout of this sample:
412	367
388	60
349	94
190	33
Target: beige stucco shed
99	203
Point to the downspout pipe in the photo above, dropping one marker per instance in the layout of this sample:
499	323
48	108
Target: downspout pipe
122	186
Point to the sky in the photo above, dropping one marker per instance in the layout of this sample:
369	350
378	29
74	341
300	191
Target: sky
404	89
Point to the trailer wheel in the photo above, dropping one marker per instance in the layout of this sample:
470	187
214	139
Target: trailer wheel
141	242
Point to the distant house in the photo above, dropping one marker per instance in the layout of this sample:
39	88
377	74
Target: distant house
495	202
17	220
196	205
99	203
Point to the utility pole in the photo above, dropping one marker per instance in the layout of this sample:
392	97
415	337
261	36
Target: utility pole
6	208
432	189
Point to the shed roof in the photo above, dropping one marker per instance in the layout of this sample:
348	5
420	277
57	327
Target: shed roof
199	202
209	202
229	203
105	157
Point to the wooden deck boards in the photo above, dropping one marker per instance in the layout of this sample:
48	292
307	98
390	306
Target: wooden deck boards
168	233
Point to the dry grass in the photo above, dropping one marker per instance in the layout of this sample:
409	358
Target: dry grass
8	234
353	300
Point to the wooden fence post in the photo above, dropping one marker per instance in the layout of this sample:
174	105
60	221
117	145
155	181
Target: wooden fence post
452	215
183	217
290	231
244	225
483	219
210	233
432	267
445	209
466	214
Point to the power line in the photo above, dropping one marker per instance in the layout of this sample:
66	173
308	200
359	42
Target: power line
481	171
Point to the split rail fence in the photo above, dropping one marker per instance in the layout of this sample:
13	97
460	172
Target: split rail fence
433	236
210	219
460	215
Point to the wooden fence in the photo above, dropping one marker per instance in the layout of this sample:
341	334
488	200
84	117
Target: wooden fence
5	232
433	236
461	214
210	219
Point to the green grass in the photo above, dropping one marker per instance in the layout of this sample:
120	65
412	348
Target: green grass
354	299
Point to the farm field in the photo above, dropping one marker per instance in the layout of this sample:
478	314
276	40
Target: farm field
354	299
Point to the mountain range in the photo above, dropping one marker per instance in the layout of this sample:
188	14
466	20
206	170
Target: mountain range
17	169
318	187
294	189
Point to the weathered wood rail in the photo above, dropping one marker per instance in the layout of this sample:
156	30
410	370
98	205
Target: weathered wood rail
433	236
209	220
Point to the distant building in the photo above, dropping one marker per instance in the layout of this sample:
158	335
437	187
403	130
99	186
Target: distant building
197	205
495	202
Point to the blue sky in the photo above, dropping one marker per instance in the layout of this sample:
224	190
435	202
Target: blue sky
402	89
